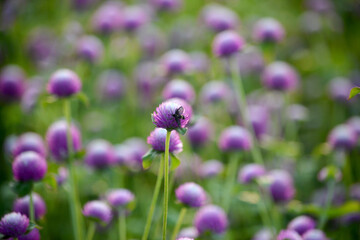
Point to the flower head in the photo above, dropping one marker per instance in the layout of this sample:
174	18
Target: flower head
29	166
314	234
107	18
280	76
235	138
281	186
340	88
167	5
64	83
342	137
212	219
189	232
134	17
200	133
136	148
219	18
250	172
120	197
214	91
211	168
170	115
157	141
191	194
90	48
12	83
14	225
227	43
268	30
175	61
29	142
98	210
99	154
62	176
32	235
302	224
178	88
21	205
111	85
288	235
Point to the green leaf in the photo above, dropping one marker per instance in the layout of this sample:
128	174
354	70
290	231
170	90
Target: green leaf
182	131
22	188
354	91
175	162
83	98
148	158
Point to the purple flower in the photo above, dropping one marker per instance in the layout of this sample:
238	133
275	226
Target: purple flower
301	224
314	234
29	166
330	172
184	238
99	154
64	83
215	91
121	154
281	186
21	205
170	115
219	18
120	197
175	61
134	17
31	95
107	18
342	137
268	30
288	235
199	62
355	192
12	83
250	172
90	48
263	234
354	123
98	210
147	79
321	6
14	225
227	43
137	148
235	138
32	235
259	119
191	195
111	85
200	133
9	145
340	88
187	107
190	232
62	176
29	142
211	168
280	76
250	62
157	141
167	4
297	112
178	88
212	219
57	141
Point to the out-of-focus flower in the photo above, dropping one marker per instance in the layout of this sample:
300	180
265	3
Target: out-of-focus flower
321	6
211	168
280	76
178	88
29	166
340	88
259	119
134	17
215	91
355	191
14	225
9	146
219	18
297	112
310	22
64	83
235	138
90	49
191	195
98	210
107	18
211	219
167	5
31	94
32	235
342	137
330	172
22	205
302	224
250	62
137	148
29	142
250	172
189	232
227	43
99	154
288	235
314	234
281	187
175	61
170	115
157	141
111	85
268	30
199	62
354	123
263	234
120	197
62	176
12	83
200	133
152	40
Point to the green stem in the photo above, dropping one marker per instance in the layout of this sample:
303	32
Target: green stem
31	208
242	103
166	183
329	197
154	200
230	180
91	231
264	213
179	223
122	225
73	200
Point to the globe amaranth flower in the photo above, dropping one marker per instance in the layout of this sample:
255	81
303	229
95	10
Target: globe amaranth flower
175	61
152	41
56	139
157	141
111	85
134	17
250	172
14	225
342	137
187	107
288	235
354	123
235	138
211	219
259	119
99	154
9	145
167	5
250	62
98	210
211	168
200	133
330	173
184	238
32	235
178	88
314	234
12	83
301	224
219	18
22	205
199	62
170	115
29	166
227	43
62	176
29	142
280	76
268	30
214	91
189	232
64	83
107	18
136	147
90	49
281	187
191	195
120	197
263	234
340	88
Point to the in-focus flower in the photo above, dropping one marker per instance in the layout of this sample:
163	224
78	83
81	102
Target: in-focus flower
167	5
56	139
314	234
200	133
227	43
99	154
288	235
215	91
235	138
178	88
211	219
64	83
157	141
22	205
302	224
281	186
250	172
170	115
191	195
187	107
134	17
175	61
189	232
107	18
29	142
90	48
120	197
14	225
29	166
12	83
211	168
98	210
342	137
268	30
111	85
219	18
280	76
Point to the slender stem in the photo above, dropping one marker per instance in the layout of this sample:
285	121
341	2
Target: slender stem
73	200
166	183
230	180
179	223
329	197
264	213
91	231
31	208
154	200
241	100
122	225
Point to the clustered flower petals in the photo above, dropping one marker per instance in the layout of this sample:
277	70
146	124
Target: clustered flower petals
191	194
14	225
98	210
157	141
168	115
